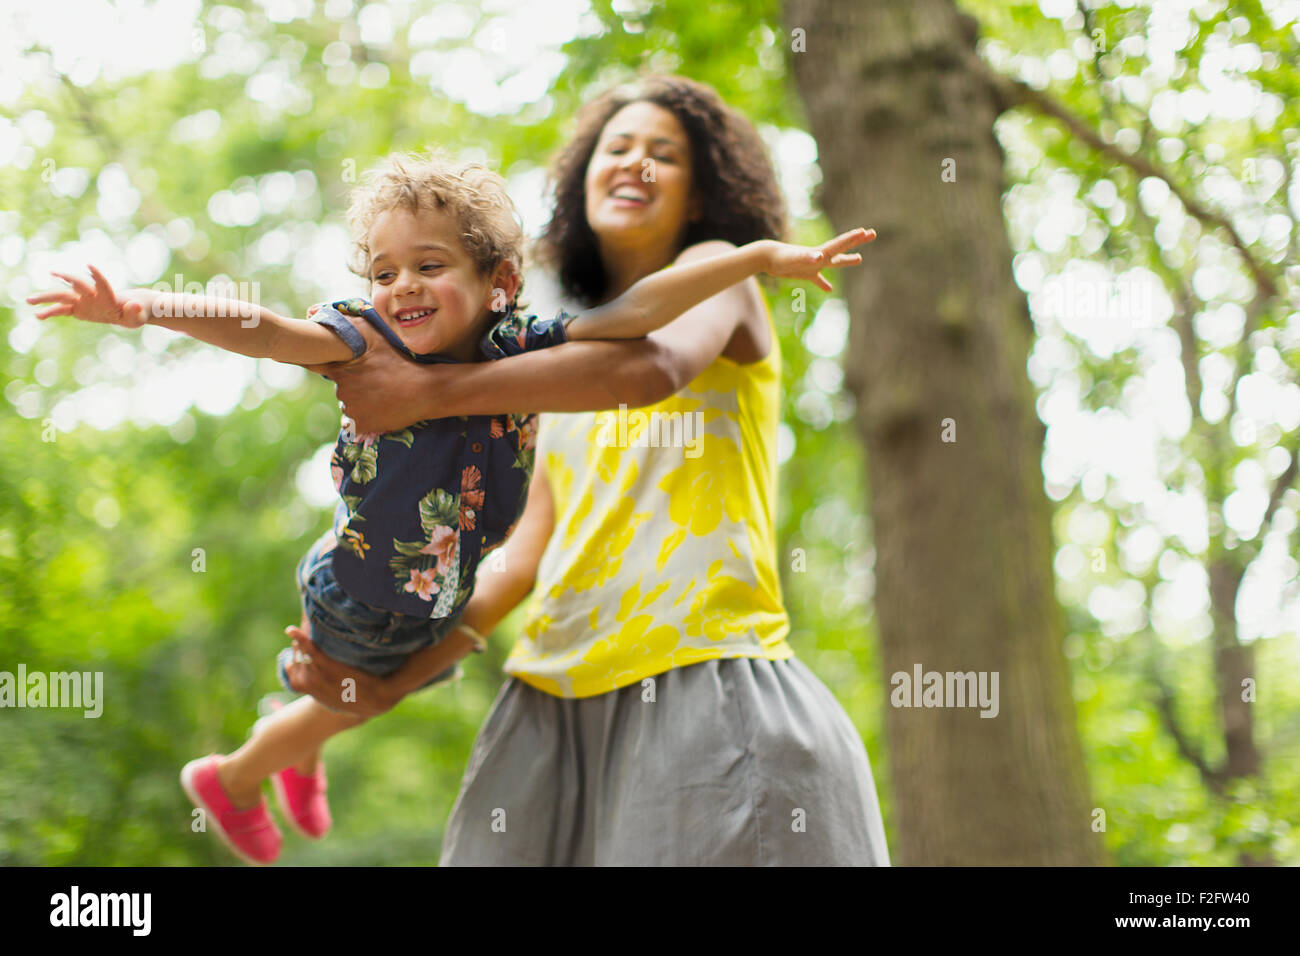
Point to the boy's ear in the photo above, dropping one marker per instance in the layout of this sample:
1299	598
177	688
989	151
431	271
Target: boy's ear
505	285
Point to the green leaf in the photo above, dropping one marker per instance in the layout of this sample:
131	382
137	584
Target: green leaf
411	548
367	466
439	509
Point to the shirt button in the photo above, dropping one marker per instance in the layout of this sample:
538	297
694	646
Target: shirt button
478	447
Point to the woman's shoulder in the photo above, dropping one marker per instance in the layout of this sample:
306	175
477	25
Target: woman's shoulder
705	249
753	338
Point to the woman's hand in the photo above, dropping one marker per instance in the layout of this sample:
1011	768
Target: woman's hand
789	261
97	303
382	391
313	672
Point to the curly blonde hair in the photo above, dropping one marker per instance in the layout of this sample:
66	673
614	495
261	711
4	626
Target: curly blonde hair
490	229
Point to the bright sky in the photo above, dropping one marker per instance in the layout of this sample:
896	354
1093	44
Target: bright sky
1113	453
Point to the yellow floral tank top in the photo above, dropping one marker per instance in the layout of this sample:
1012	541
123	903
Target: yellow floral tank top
664	547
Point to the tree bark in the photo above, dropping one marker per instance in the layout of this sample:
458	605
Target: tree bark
962	528
1234	665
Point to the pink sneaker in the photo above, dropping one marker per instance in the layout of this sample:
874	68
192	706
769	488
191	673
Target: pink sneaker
302	800
250	834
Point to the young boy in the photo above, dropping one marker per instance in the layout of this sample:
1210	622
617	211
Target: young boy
442	248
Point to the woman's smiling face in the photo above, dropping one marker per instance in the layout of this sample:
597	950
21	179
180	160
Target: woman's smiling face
638	184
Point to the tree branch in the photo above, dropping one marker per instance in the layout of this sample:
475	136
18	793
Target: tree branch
1017	93
1185	306
1184	309
1014	92
1165	707
1088	21
152	209
1293	241
1284	481
1260	303
1246	354
86	115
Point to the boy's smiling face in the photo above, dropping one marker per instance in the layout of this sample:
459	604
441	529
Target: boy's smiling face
425	285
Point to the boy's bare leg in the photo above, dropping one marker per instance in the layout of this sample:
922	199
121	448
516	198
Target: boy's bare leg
291	736
307	766
310	761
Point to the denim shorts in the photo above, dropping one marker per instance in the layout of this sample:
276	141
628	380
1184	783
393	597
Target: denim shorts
370	639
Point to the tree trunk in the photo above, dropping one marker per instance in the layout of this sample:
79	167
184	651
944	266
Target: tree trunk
1234	665
962	528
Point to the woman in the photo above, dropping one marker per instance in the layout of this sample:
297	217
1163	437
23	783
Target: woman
655	713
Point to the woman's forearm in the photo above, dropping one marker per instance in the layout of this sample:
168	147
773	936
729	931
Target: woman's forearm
574	377
428	663
383	392
496	594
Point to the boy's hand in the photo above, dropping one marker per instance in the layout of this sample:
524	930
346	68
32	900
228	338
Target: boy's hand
806	262
97	303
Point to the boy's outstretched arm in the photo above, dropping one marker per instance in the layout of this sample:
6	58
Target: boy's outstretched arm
657	299
231	324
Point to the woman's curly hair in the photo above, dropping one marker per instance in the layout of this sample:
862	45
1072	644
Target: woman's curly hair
731	175
472	194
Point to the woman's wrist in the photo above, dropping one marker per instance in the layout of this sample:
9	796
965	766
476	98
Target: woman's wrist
439	392
428	663
391	690
424	392
480	642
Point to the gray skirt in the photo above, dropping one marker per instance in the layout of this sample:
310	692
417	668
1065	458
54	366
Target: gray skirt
735	762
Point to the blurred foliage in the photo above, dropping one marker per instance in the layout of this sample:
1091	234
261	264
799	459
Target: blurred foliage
100	527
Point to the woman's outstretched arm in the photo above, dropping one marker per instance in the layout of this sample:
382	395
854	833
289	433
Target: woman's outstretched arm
382	392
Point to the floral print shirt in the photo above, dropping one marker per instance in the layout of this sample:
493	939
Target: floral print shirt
419	507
